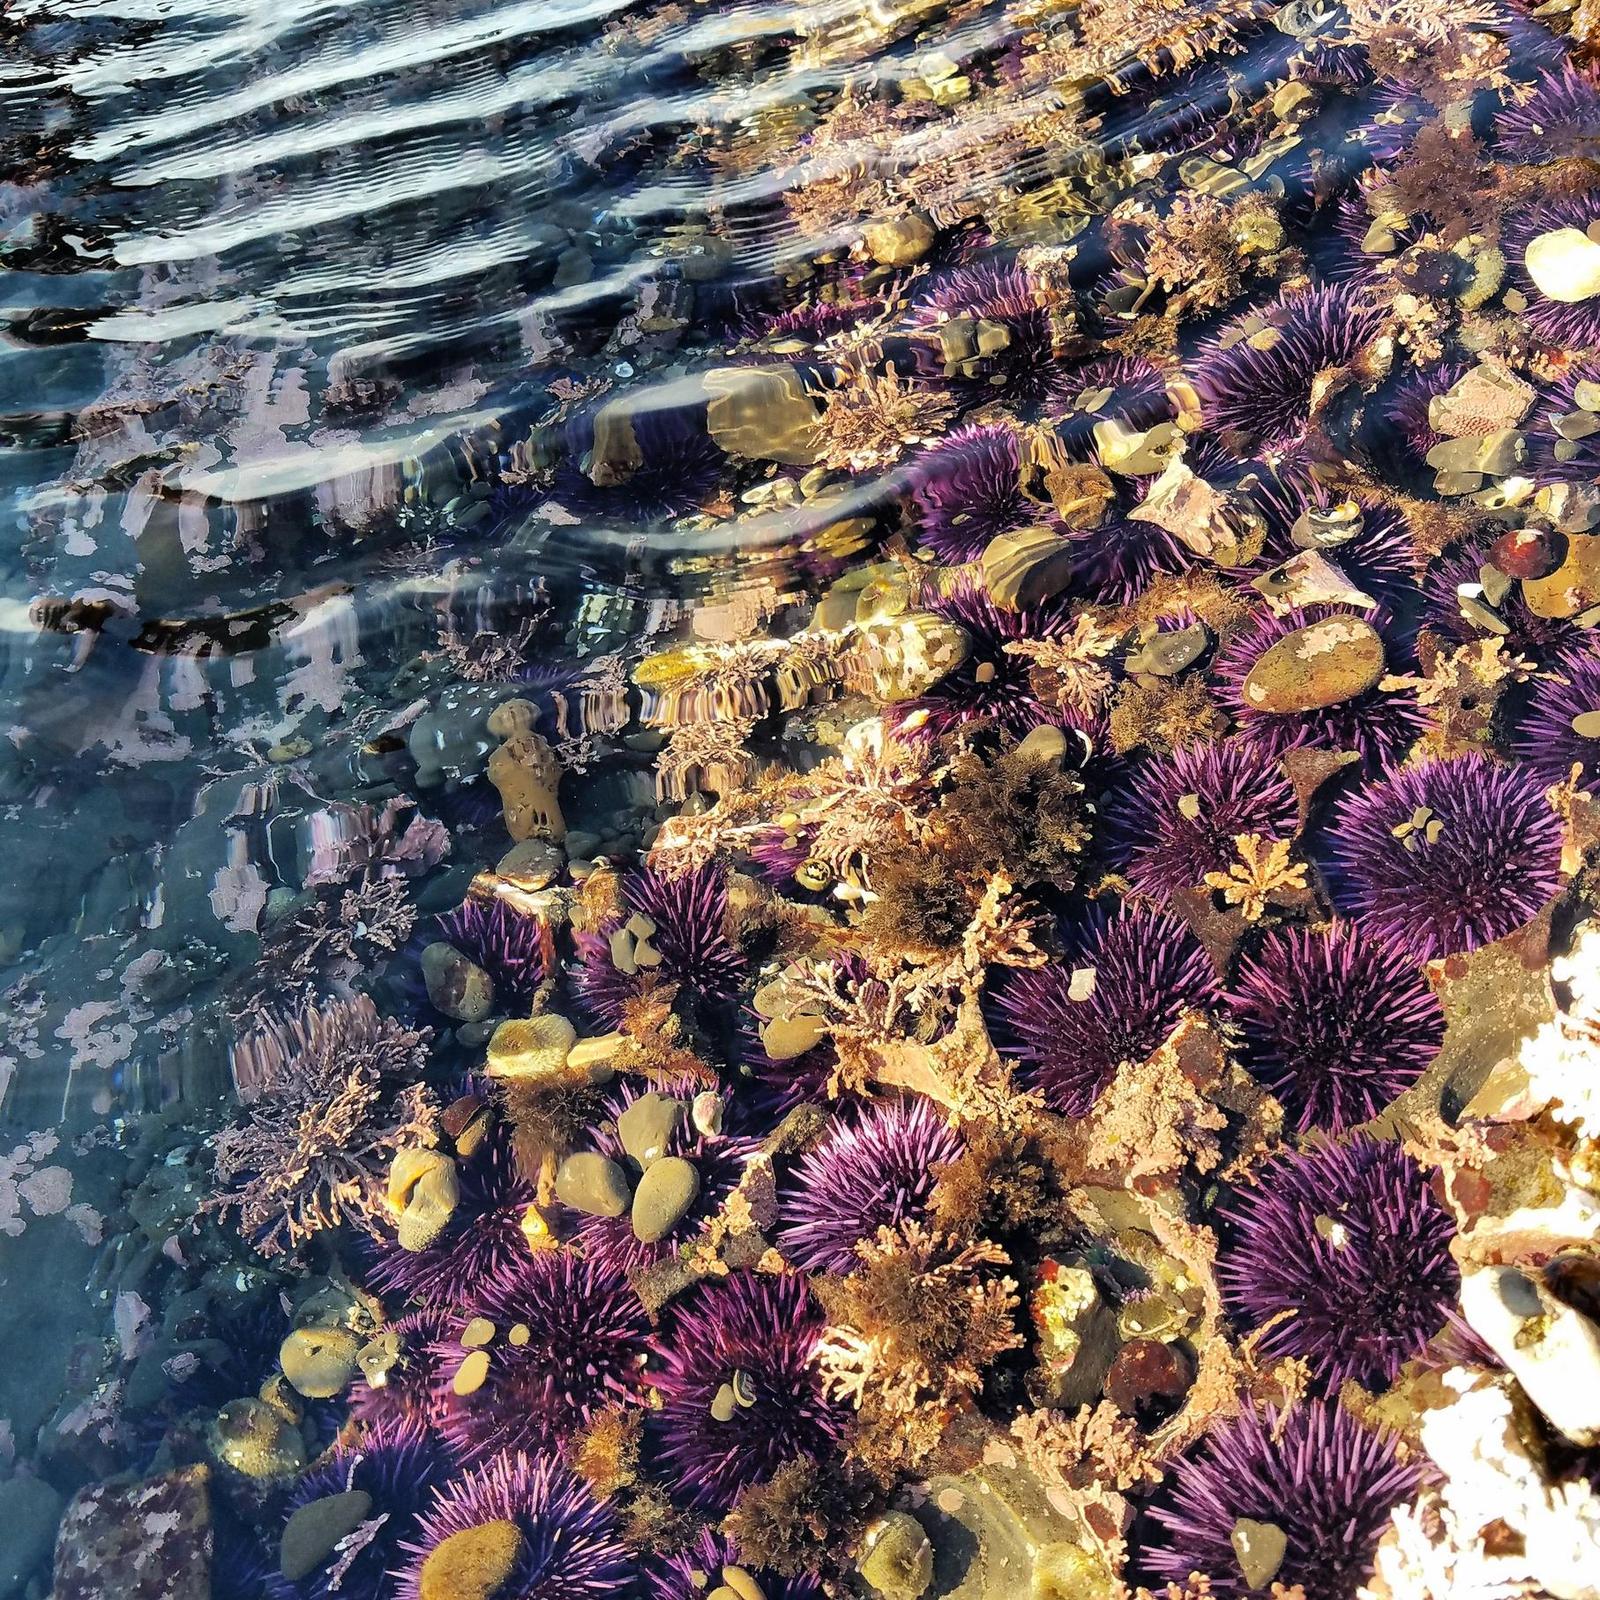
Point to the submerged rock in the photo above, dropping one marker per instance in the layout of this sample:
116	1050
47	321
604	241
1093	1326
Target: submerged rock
472	1564
1322	664
29	1509
456	986
314	1529
897	1557
1564	265
665	1193
147	1540
319	1362
592	1184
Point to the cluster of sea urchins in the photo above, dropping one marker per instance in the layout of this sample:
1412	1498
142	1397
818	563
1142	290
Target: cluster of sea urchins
1245	596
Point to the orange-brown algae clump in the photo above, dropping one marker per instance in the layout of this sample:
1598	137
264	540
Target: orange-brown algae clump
473	1564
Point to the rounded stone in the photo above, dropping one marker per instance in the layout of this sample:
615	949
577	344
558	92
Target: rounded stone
784	1038
1528	552
455	985
424	1188
531	1047
532	863
1147	1374
312	1531
897	1557
1322	664
662	1200
742	1583
257	1440
470	1375
473	1564
592	1184
1564	265
647	1124
1259	1548
898	241
319	1362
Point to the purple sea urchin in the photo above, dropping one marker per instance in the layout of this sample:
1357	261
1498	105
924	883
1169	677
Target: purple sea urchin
584	1347
1526	633
1555	118
1122	386
1568	324
1447	855
1175	819
1335	1025
1120	557
482	1243
1257	377
1027	369
756	1336
1378	725
400	1464
991	684
690	1574
674	467
870	1172
1352	1242
1317	1474
1148	970
1547	740
1376	558
1575	460
719	1159
571	1544
410	1386
967	489
511	945
689	911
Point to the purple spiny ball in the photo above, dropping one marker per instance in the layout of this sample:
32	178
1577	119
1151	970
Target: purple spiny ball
1568	324
1378	725
1027	370
1558	120
1317	1474
1567	460
1545	739
967	489
1377	559
991	684
572	1547
1266	393
1148	971
1335	1025
409	1389
720	1160
400	1464
680	466
1404	433
586	1340
1175	819
869	1172
690	913
1126	387
1491	862
765	1329
1120	557
1526	632
1351	1241
512	946
482	1243
692	1573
